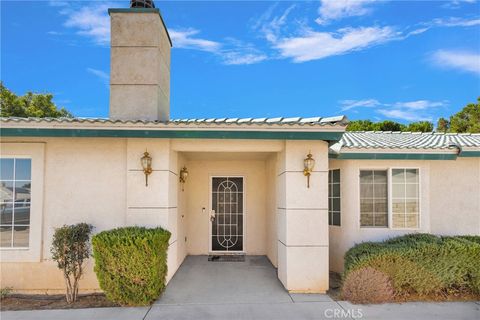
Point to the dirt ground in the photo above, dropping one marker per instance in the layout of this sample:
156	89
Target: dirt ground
15	302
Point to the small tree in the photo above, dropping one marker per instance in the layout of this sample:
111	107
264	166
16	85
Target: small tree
70	247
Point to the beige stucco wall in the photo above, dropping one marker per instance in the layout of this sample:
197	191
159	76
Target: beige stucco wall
198	197
82	184
302	221
445	187
455	196
100	181
271	208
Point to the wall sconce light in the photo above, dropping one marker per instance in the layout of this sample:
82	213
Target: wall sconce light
183	176
146	161
308	164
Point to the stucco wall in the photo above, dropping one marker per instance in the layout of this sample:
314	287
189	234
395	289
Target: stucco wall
445	186
198	197
455	196
271	208
82	184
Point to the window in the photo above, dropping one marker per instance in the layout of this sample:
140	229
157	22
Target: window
373	198
334	197
405	198
15	190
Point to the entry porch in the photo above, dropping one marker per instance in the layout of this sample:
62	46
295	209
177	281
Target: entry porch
242	197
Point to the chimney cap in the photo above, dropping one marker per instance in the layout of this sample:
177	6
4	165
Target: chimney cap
142	4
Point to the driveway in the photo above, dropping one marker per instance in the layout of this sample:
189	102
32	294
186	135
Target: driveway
249	290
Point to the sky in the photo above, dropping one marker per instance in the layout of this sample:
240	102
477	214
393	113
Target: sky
399	60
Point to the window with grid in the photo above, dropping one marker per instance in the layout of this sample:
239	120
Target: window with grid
373	198
15	186
334	197
405	198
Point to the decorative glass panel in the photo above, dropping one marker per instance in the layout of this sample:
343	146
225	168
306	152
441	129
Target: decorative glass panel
405	198
334	202
373	198
15	196
227	202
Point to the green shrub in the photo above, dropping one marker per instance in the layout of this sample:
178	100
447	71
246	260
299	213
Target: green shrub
131	264
422	264
4	292
70	248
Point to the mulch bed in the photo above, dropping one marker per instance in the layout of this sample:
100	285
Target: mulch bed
15	302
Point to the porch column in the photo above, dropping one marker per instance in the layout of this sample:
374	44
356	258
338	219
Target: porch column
154	205
302	215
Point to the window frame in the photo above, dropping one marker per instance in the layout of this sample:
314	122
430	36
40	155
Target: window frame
36	152
389	197
340	196
11	247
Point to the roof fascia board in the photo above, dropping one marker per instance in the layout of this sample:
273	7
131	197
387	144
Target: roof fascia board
190	134
393	156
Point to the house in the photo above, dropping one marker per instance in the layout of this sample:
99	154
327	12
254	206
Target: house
301	191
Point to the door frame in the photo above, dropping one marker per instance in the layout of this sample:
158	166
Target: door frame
244	213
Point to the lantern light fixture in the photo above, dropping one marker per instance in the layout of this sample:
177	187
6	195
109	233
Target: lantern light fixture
183	176
308	164
146	161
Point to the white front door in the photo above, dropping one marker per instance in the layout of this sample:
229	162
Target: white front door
227	218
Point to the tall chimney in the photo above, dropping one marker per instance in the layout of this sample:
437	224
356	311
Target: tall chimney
139	63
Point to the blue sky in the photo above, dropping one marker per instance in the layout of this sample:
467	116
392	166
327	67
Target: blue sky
399	60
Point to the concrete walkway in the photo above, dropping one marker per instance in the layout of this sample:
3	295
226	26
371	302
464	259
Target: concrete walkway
249	290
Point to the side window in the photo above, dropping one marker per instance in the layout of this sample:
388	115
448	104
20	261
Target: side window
334	197
405	198
373	198
15	192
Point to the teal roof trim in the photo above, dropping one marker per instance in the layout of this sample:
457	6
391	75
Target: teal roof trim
393	156
469	154
186	134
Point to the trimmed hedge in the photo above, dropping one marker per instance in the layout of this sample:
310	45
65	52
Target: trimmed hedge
131	264
421	264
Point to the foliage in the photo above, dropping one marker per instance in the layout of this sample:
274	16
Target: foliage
131	264
29	105
70	248
467	119
443	125
422	264
4	292
420	126
387	125
367	285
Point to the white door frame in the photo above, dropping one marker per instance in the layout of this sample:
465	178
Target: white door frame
244	214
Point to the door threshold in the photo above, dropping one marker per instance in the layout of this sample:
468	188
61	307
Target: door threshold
227	258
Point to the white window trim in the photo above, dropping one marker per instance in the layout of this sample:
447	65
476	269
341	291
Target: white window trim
390	211
36	152
389	198
328	192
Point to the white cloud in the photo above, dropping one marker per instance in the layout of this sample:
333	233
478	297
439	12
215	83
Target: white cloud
460	60
419	104
351	104
102	75
185	39
337	9
404	110
456	22
318	45
404	115
455	4
91	21
238	58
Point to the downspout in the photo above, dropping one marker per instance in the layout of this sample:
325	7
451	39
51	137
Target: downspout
456	145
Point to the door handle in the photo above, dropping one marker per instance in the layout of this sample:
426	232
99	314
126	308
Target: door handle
212	215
